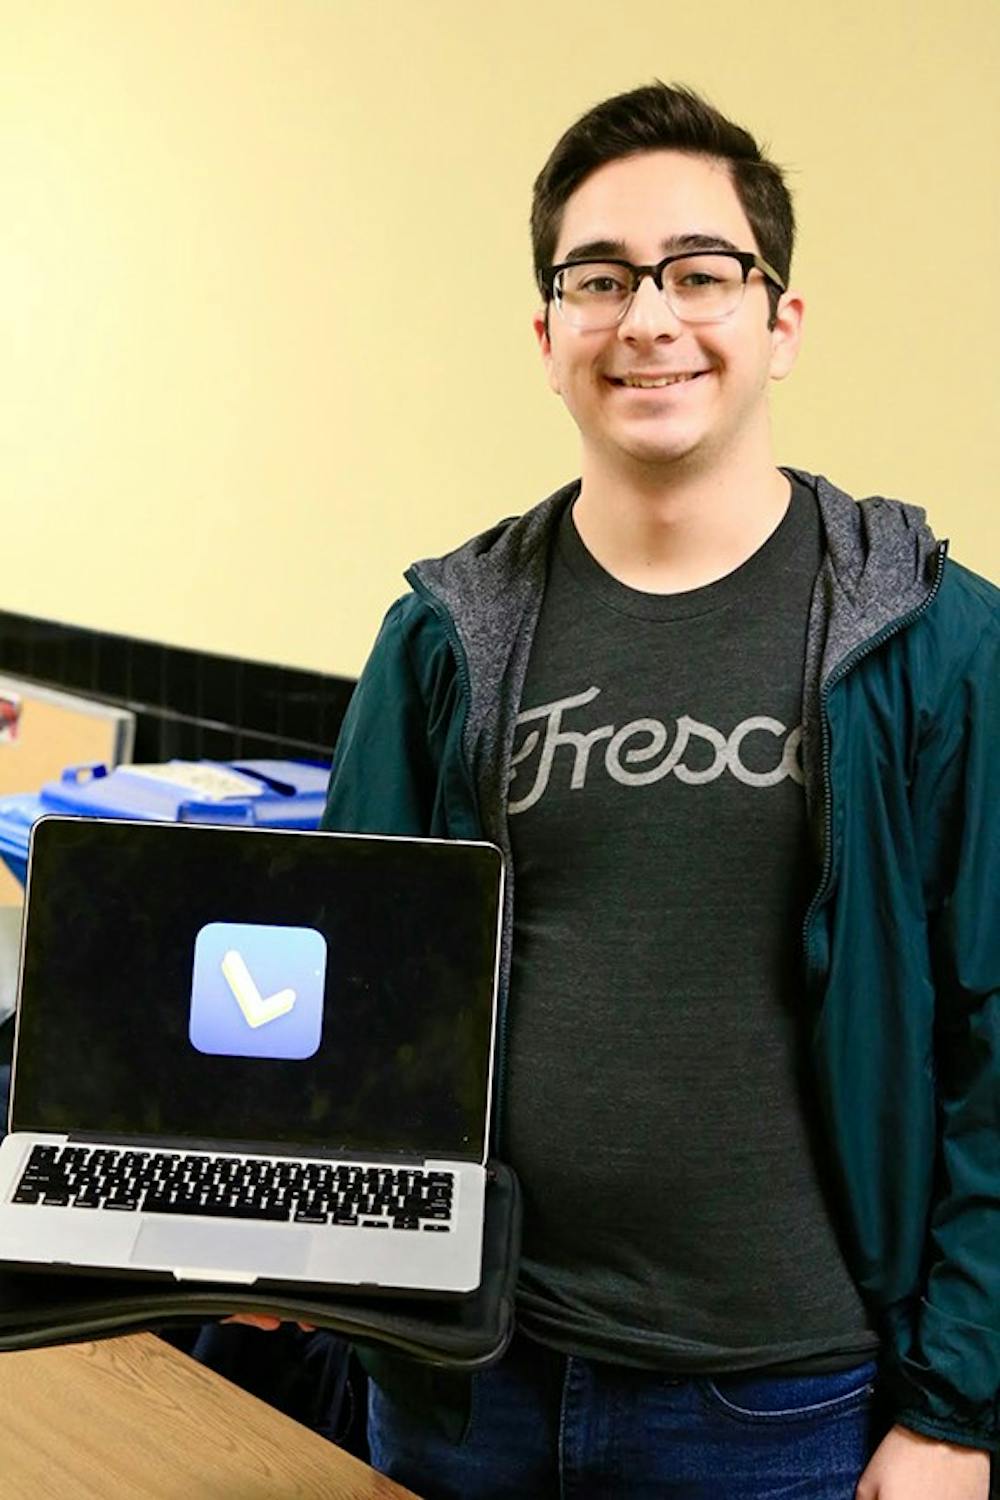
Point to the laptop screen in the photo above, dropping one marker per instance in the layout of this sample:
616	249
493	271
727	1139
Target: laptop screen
222	984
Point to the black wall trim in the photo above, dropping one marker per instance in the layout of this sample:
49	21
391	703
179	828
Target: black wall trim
189	705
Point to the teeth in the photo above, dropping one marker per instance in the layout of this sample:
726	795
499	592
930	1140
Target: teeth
654	384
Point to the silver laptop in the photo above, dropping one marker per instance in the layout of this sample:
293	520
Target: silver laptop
252	1056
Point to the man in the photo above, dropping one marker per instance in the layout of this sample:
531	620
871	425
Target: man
733	733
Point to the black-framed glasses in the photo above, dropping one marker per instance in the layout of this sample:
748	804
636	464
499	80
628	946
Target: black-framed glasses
701	287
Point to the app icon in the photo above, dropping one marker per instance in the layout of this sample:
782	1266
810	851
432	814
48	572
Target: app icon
257	991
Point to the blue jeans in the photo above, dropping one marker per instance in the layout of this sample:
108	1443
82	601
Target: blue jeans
545	1426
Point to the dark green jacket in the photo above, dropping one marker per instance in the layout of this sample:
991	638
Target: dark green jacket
901	945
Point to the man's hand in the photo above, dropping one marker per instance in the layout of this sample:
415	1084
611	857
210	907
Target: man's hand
261	1320
908	1466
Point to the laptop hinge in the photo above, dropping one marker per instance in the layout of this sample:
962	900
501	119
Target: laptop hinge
292	1149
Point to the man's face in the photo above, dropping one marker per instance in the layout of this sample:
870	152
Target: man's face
640	203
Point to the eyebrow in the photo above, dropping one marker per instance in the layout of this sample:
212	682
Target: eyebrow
618	250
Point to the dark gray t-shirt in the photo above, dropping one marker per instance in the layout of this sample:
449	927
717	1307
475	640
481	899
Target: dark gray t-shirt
656	1110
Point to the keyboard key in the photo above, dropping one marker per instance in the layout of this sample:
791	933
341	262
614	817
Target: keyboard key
162	1205
175	1203
259	1211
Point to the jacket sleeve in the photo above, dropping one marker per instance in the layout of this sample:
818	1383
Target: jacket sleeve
398	768
399	765
947	1380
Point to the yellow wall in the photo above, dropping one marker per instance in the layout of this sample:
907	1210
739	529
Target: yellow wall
265	285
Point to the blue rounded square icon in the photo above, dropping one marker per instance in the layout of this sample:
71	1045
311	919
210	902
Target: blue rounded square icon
257	991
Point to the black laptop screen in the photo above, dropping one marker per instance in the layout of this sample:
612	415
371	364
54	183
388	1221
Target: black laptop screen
241	985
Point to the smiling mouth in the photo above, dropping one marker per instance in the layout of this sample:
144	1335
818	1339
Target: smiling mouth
653	383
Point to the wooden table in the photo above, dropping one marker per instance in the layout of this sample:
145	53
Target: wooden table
134	1419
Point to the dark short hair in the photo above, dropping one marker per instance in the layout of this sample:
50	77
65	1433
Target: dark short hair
662	117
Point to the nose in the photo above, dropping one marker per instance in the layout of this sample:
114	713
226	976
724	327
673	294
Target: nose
650	315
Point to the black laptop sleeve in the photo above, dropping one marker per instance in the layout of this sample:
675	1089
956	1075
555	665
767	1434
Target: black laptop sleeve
464	1333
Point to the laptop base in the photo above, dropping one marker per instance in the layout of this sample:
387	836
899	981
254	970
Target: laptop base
465	1333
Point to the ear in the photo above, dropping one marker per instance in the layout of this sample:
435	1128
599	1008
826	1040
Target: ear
539	322
786	335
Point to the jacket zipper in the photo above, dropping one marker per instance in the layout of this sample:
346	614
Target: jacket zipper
839	672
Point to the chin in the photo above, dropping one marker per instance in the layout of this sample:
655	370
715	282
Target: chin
660	455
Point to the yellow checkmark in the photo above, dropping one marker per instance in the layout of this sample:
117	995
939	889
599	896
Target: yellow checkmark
256	1010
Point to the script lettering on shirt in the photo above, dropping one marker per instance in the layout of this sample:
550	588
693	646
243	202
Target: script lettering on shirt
631	753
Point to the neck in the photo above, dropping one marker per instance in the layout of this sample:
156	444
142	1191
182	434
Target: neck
666	531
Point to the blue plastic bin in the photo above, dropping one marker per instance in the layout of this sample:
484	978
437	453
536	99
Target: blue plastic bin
251	793
17	813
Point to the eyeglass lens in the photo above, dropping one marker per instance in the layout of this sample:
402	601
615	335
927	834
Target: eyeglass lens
593	294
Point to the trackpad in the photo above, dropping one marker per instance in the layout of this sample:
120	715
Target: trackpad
220	1247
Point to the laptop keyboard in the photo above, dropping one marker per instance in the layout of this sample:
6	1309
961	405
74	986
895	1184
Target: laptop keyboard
236	1187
